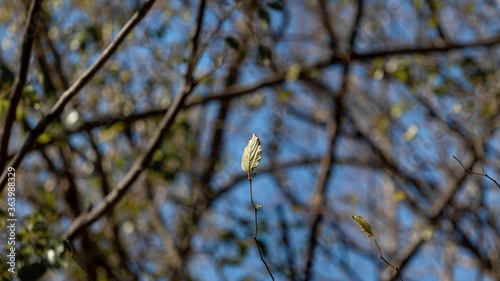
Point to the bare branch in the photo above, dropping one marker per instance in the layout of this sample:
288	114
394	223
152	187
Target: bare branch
255	208
74	258
20	81
325	20
424	50
286	242
84	220
333	128
325	170
475	173
434	213
382	257
235	91
58	108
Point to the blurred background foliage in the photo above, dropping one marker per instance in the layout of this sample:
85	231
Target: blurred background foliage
374	97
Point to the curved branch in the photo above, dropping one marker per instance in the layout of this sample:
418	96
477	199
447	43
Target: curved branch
187	86
476	173
325	169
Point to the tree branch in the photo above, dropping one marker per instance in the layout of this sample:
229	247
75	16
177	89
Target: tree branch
84	220
323	175
20	81
475	173
240	90
325	169
434	213
434	13
74	258
58	108
382	257
424	50
256	208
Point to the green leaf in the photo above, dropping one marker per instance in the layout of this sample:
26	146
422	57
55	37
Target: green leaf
232	42
365	227
251	154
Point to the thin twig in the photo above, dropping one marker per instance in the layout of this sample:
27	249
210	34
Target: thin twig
86	272
382	257
256	228
288	247
475	173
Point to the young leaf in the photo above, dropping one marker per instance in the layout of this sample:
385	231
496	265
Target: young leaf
251	154
365	227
